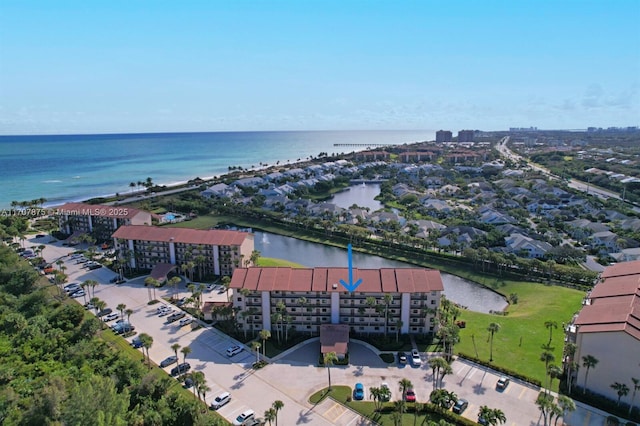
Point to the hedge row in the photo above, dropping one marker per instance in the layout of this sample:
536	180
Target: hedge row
511	373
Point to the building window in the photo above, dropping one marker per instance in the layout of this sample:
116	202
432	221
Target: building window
324	309
433	302
239	299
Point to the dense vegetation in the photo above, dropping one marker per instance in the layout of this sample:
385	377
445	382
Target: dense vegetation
56	369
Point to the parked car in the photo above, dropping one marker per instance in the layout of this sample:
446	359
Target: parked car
185	321
402	358
104	312
188	383
220	400
162	308
78	293
110	317
168	361
95	266
233	350
244	417
358	392
181	301
71	287
502	383
410	395
136	342
180	368
415	357
460	406
210	287
175	317
89	306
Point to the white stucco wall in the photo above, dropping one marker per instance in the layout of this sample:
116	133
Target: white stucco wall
618	355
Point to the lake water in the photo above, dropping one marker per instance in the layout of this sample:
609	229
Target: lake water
463	292
361	195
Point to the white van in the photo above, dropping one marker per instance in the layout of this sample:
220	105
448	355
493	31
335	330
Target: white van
220	400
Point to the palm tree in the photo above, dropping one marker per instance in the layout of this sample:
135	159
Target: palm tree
121	307
264	335
147	342
554	372
255	346
270	415
153	283
185	351
132	185
92	284
437	365
128	313
174	281
226	282
589	362
175	348
566	404
621	389
636	386
388	298
493	328
277	406
550	325
329	359
198	380
404	385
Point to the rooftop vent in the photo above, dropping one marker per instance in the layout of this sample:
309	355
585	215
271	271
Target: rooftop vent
335	286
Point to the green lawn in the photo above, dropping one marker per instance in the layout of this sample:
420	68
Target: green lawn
517	345
270	261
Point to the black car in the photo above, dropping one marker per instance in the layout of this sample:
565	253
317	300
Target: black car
460	406
95	266
105	312
180	368
402	358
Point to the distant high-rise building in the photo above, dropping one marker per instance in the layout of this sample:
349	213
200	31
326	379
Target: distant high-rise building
465	136
444	136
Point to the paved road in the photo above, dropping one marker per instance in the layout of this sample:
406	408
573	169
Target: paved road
294	376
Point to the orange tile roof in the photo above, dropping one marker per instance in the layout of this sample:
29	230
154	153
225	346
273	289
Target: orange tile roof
214	237
615	302
384	280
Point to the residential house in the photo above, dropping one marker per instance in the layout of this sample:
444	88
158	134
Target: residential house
521	245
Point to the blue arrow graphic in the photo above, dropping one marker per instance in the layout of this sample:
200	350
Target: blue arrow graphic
351	286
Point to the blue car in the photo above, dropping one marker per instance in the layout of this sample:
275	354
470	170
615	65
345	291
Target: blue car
358	392
136	342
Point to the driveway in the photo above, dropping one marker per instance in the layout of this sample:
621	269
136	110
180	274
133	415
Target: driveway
294	375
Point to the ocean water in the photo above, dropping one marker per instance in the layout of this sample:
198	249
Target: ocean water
63	168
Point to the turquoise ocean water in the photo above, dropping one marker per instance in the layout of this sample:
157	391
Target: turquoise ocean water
64	168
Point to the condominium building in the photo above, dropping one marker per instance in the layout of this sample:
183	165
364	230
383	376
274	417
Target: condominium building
217	252
465	136
608	329
306	298
444	136
98	220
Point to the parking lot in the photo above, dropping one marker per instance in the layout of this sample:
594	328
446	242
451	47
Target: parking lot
294	376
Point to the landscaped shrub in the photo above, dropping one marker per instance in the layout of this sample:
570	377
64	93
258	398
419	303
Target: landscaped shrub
388	357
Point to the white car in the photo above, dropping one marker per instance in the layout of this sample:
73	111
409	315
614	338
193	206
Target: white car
232	350
244	417
220	400
165	312
415	357
110	317
185	321
162	309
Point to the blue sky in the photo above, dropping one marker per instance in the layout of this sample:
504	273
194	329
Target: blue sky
138	66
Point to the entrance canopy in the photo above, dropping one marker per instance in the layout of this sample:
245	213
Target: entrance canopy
161	270
334	338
